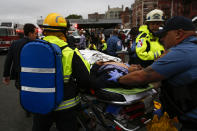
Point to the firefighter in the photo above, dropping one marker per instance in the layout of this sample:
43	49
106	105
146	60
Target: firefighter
177	69
76	75
148	46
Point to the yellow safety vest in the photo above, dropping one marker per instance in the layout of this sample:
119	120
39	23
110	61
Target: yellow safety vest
147	45
104	47
94	47
67	56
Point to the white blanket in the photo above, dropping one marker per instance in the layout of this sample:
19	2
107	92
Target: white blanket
92	56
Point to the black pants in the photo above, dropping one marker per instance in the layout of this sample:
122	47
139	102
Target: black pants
65	120
17	85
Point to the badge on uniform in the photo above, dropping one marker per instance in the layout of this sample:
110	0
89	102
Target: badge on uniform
140	43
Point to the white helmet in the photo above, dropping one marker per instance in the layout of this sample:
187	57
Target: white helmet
194	19
155	15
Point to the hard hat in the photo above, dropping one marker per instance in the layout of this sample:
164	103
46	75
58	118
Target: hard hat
54	22
103	41
155	15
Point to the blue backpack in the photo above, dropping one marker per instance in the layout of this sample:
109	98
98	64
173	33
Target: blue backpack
41	76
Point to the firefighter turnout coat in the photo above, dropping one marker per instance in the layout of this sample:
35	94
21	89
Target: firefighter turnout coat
148	47
75	70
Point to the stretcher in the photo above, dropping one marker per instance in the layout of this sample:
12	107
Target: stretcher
127	109
118	108
122	109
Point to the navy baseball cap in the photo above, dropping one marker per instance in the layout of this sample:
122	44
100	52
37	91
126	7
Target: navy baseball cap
175	23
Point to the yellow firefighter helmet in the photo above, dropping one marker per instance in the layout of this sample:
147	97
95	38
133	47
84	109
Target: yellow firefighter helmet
54	22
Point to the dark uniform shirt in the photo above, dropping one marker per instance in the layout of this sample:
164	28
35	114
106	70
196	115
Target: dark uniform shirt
11	66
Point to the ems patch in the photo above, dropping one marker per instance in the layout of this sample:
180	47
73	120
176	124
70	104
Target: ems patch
119	43
140	43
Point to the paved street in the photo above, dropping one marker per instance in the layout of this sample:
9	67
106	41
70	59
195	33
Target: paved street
12	116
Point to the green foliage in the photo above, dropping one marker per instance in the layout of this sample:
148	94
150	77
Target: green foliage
74	16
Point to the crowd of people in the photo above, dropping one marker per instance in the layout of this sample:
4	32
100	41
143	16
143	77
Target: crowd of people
166	55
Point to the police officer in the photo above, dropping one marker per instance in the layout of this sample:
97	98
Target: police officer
76	75
148	46
177	69
114	44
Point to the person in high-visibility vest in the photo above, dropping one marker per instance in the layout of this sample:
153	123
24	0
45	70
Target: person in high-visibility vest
148	46
92	46
103	47
76	75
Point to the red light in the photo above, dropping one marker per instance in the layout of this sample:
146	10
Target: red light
76	26
38	30
92	91
118	128
19	31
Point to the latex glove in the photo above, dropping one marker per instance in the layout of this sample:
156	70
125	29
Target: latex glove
115	75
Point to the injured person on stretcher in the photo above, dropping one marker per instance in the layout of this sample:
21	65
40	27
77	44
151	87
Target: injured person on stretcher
110	91
100	73
101	65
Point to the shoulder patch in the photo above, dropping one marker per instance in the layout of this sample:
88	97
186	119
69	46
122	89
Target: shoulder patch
140	43
119	43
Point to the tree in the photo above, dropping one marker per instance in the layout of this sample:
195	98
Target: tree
74	16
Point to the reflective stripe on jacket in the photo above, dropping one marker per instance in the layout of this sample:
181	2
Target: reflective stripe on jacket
148	46
68	103
67	56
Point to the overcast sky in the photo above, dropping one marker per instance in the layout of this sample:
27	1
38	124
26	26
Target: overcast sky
29	10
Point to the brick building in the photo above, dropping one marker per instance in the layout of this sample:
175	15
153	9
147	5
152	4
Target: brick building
126	18
187	8
140	9
171	8
96	16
